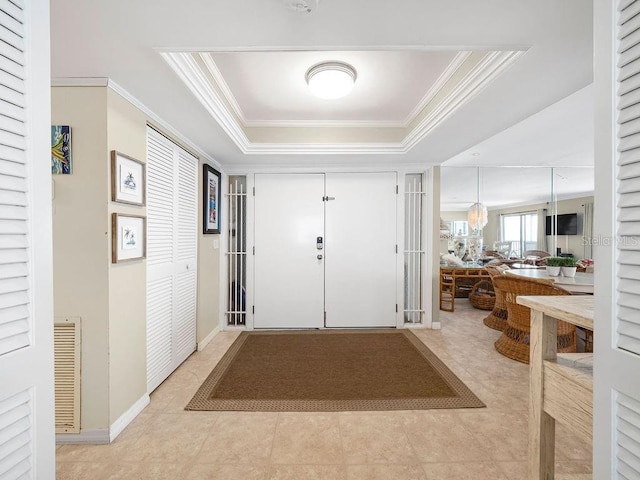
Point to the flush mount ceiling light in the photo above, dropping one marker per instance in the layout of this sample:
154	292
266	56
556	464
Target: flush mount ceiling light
331	80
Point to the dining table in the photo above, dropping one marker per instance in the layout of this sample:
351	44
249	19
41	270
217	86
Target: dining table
580	283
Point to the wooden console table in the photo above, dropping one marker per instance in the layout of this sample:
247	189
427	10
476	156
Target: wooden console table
561	386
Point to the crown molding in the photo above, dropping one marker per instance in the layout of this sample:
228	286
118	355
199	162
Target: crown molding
324	148
489	68
185	66
189	72
164	125
222	85
446	75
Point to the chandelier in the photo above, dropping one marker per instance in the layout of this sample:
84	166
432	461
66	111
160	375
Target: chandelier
477	216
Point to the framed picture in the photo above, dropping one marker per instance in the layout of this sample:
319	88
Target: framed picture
61	149
127	179
128	237
210	200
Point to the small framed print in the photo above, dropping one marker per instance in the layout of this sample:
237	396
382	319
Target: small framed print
210	200
127	179
128	237
61	149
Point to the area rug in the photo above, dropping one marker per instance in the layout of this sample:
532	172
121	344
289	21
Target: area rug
331	370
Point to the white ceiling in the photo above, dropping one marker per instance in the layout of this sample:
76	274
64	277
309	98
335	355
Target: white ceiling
123	40
560	136
270	86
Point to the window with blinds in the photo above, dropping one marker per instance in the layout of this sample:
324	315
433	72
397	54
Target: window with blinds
14	240
628	175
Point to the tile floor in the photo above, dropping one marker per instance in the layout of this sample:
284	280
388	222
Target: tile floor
165	442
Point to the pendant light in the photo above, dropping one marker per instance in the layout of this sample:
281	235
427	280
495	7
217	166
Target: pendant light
477	215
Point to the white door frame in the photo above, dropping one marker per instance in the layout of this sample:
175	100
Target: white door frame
430	318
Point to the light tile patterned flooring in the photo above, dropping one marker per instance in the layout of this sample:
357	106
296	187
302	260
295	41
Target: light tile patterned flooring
166	442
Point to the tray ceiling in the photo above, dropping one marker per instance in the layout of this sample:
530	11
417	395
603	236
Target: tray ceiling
262	101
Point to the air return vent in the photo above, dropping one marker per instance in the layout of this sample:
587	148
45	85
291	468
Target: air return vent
66	332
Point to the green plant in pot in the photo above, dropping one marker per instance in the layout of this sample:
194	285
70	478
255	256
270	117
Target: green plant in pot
554	265
569	266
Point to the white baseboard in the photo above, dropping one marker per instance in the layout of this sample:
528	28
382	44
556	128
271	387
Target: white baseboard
89	437
127	417
205	341
436	326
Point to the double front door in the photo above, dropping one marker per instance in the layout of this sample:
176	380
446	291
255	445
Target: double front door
325	250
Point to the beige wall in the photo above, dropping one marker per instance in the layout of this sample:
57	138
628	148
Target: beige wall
110	298
126	133
208	275
81	240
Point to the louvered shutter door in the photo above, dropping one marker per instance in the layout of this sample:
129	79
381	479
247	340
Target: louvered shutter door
26	298
626	421
160	209
628	199
160	258
185	328
15	436
172	176
628	436
14	241
15	411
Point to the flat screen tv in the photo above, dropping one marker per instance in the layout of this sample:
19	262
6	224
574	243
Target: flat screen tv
567	224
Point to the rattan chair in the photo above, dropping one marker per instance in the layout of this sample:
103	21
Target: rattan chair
514	341
447	289
497	319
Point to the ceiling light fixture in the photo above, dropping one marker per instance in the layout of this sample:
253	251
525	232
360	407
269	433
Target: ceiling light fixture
477	215
331	80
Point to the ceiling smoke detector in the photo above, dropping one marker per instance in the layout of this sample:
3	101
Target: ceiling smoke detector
301	6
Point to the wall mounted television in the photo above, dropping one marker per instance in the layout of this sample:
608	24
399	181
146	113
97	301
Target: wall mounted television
567	224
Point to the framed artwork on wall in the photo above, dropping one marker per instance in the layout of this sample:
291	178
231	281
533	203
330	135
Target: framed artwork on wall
210	200
127	179
128	237
61	149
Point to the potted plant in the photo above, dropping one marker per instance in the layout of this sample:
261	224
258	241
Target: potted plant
569	266
553	266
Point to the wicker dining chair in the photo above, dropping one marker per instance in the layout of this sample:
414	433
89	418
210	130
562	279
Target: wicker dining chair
497	319
514	341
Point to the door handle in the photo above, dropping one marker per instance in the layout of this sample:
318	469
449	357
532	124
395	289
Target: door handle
319	257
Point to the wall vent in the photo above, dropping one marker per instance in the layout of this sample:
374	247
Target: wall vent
66	348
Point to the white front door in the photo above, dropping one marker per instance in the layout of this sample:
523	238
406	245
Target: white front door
352	277
289	276
360	268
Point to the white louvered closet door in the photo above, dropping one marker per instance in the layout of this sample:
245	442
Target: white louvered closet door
172	210
617	392
26	316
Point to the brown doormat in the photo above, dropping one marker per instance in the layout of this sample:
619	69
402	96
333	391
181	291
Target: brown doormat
331	370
